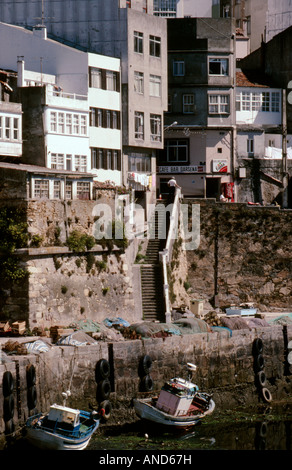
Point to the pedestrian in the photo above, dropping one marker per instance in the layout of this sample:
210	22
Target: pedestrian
172	184
223	198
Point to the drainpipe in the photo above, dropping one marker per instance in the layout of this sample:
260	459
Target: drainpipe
285	175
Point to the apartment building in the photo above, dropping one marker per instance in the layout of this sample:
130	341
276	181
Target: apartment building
126	30
71	102
10	118
199	139
182	8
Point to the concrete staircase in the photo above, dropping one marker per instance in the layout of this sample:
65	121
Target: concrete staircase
151	271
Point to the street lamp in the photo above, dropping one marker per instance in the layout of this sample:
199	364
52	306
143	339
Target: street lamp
171	125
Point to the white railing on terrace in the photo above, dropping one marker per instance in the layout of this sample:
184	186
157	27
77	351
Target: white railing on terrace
166	254
63	94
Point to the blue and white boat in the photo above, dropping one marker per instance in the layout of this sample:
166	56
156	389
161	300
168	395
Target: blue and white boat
62	428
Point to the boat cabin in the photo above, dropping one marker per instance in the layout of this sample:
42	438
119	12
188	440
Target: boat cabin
176	397
67	416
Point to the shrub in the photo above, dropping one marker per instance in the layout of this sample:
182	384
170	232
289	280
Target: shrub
79	242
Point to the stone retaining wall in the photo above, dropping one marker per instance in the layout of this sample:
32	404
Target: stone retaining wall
224	366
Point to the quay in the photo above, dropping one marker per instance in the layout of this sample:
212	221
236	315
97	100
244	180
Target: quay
227	366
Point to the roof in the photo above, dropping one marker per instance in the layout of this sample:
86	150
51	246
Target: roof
44	170
243	81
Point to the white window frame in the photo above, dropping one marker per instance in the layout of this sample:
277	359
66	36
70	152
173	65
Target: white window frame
155	127
155	85
173	148
219	104
80	163
220	63
57	161
154	46
139	82
139	125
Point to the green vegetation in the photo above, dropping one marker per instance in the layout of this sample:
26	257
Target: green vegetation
79	242
13	236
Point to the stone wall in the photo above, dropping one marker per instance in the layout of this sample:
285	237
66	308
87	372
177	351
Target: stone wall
224	367
244	256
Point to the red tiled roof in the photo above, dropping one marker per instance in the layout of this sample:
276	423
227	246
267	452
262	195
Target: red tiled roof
242	80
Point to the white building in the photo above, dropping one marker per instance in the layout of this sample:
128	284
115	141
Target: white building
71	100
10	118
258	117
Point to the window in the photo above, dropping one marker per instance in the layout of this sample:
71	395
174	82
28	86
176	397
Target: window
111	80
41	188
61	123
139	125
7	128
76	123
155	127
57	161
53	122
178	68
255	101
80	163
15	128
275	104
139	163
266	101
69	190
218	67
96	158
108	118
139	82
188	104
83	125
68	123
95	77
218	104
1	127
155	46
57	189
108	159
69	162
250	146
155	85
83	190
176	150
114	120
115	160
138	42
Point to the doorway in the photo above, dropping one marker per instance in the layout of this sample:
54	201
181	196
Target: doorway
213	188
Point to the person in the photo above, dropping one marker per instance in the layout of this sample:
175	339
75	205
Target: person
223	198
172	184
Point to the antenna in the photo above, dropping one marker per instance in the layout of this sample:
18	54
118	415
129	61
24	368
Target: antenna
42	18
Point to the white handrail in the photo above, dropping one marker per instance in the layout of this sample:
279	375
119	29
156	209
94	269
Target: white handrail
166	254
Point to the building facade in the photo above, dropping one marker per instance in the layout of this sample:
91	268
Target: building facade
199	141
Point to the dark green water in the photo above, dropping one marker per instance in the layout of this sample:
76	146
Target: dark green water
265	429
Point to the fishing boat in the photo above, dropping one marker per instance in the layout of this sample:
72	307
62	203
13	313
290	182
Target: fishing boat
62	428
179	406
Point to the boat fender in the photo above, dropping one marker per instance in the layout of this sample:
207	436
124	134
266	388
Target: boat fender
8	408
105	409
7	383
147	383
258	346
103	390
145	365
30	375
259	362
102	370
31	397
261	378
266	394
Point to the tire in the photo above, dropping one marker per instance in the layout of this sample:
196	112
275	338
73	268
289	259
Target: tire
9	427
145	365
8	408
147	383
30	375
258	346
102	370
31	397
266	394
105	410
259	362
103	390
261	378
7	384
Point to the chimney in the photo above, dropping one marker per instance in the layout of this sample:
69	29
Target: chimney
40	31
20	72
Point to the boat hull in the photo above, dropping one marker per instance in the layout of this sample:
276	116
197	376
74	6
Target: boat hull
146	411
50	441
